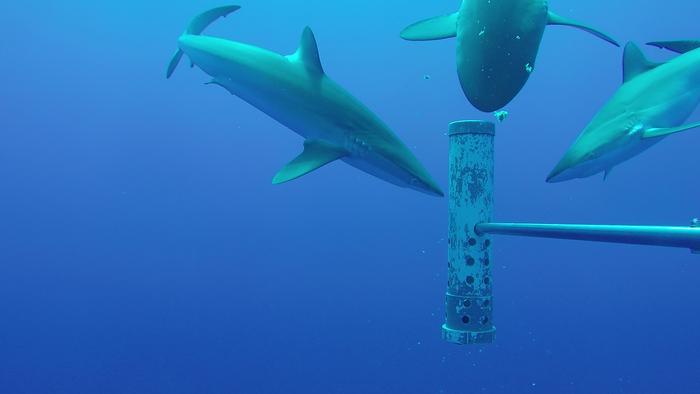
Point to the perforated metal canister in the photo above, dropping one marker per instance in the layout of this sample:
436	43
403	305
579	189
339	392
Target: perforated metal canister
469	303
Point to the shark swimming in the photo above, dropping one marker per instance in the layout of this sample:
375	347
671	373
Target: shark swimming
295	91
654	101
497	45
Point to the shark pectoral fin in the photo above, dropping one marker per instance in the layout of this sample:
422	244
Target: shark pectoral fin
663	132
676	46
316	154
555	19
197	26
174	62
635	63
307	53
437	28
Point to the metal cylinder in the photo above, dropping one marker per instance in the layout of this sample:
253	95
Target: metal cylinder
469	304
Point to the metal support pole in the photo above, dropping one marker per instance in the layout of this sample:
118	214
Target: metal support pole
468	305
669	236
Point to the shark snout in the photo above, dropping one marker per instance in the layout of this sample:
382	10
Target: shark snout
427	186
418	178
563	171
556	176
580	163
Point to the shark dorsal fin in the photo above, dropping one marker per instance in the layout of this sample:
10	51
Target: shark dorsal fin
307	53
635	63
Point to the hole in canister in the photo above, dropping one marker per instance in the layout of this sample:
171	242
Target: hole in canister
465	319
471	261
485	320
467	303
472	242
487	280
487	243
486	303
470	279
486	261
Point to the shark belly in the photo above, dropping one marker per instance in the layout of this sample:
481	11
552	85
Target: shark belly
295	108
377	166
497	45
288	110
622	154
335	117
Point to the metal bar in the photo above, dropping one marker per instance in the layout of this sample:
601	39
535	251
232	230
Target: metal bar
677	237
468	301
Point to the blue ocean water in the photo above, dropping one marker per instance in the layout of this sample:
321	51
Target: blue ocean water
144	250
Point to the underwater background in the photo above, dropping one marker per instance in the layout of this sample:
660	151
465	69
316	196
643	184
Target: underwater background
143	248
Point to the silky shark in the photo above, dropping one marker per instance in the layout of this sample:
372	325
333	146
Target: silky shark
654	101
497	45
295	91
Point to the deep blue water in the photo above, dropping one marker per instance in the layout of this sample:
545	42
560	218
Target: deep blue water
144	250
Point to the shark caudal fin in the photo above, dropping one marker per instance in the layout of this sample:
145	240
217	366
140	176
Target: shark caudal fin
436	28
197	26
676	46
634	62
555	19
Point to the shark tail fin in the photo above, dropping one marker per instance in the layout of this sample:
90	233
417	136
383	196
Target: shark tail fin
555	19
436	28
197	26
676	46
